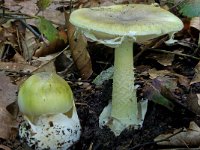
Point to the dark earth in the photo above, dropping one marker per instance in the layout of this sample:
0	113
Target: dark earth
90	101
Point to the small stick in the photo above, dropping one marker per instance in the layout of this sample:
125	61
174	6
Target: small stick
168	52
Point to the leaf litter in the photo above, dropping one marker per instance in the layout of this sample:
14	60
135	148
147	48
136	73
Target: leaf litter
8	95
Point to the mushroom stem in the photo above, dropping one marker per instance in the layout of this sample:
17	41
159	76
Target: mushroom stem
124	100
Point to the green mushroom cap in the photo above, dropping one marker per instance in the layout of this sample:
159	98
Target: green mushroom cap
45	93
112	23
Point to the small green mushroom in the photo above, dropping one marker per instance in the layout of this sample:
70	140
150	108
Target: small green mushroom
47	103
120	26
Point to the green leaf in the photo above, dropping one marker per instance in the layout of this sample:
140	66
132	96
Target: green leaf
47	28
190	8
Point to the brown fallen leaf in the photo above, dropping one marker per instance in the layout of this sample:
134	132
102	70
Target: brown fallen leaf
18	58
195	23
16	67
156	92
29	7
193	103
51	48
29	44
47	63
196	77
188	137
79	52
163	59
194	28
7	96
3	147
155	73
182	80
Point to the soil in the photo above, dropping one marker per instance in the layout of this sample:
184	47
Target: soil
90	101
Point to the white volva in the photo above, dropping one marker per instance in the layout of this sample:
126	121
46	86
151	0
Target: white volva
55	132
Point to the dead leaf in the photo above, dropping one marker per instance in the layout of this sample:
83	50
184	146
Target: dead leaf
16	67
193	101
41	64
196	77
182	80
3	147
18	58
162	58
8	34
30	8
165	82
29	45
154	91
47	64
79	52
155	73
188	137
195	23
55	16
7	96
198	95
53	47
165	59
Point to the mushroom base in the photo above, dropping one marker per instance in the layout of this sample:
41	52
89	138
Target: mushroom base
55	132
116	125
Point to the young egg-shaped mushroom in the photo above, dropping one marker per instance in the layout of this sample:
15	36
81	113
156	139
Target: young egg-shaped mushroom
120	26
51	120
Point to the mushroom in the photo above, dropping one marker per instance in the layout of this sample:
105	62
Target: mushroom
47	104
119	26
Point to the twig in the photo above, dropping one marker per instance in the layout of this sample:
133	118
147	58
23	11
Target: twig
168	52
